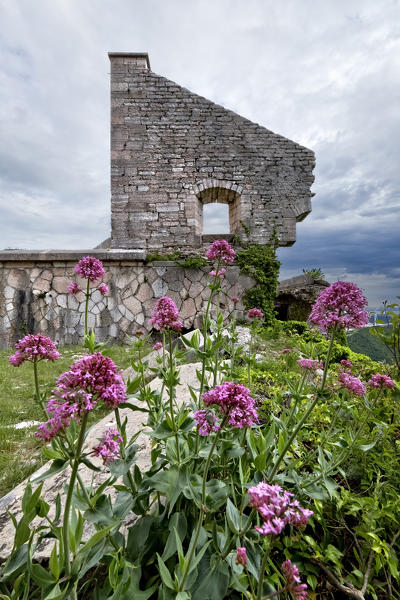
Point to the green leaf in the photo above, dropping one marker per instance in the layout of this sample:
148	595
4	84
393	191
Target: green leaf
233	517
15	562
97	537
41	576
260	462
366	447
164	573
54	565
137	537
57	466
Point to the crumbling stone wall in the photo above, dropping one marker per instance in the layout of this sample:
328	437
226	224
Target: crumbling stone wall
172	151
34	296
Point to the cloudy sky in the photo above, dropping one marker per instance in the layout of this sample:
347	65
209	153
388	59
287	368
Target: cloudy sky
323	73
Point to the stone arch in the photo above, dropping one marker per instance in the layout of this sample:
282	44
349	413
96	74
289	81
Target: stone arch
224	192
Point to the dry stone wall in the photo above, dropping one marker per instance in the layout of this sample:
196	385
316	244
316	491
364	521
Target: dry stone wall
34	296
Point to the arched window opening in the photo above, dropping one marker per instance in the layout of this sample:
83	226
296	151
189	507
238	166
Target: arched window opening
218	211
216	218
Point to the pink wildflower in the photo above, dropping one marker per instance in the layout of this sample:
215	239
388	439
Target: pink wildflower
139	333
90	268
276	508
157	346
347	364
221	273
241	556
34	348
103	289
108	448
255	313
381	381
235	402
235	299
286	351
165	315
353	384
91	379
221	250
206	421
342	304
293	581
73	288
310	364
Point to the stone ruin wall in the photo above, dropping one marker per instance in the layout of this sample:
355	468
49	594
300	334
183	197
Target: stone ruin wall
173	151
34	297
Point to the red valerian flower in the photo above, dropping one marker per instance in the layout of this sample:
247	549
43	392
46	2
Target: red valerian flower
91	379
310	364
221	250
34	348
353	384
255	313
277	508
165	315
206	421
234	402
293	581
241	556
342	304
73	288
381	381
108	448
103	289
90	268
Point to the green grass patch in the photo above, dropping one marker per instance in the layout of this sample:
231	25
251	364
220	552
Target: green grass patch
20	449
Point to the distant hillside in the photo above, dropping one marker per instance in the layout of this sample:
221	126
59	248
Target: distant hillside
362	341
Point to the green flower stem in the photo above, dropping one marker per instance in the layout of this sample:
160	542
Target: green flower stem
171	397
87	294
307	413
261	575
37	388
203	366
68	501
249	359
123	453
203	507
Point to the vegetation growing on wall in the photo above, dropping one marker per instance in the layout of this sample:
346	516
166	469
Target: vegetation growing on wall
261	263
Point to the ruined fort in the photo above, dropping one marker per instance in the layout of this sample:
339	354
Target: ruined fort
172	152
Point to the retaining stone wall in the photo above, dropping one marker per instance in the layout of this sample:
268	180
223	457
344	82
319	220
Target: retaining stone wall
34	297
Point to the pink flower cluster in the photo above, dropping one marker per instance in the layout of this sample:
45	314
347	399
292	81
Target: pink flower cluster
234	402
221	273
157	346
347	364
381	381
165	315
221	250
108	448
293	581
34	348
74	288
342	304
255	313
286	351
90	379
241	556
351	383
90	268
310	364
235	299
206	421
277	508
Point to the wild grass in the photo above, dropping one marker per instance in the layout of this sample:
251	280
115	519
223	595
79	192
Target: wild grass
20	450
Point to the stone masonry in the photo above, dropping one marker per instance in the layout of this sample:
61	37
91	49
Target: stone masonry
34	297
173	151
